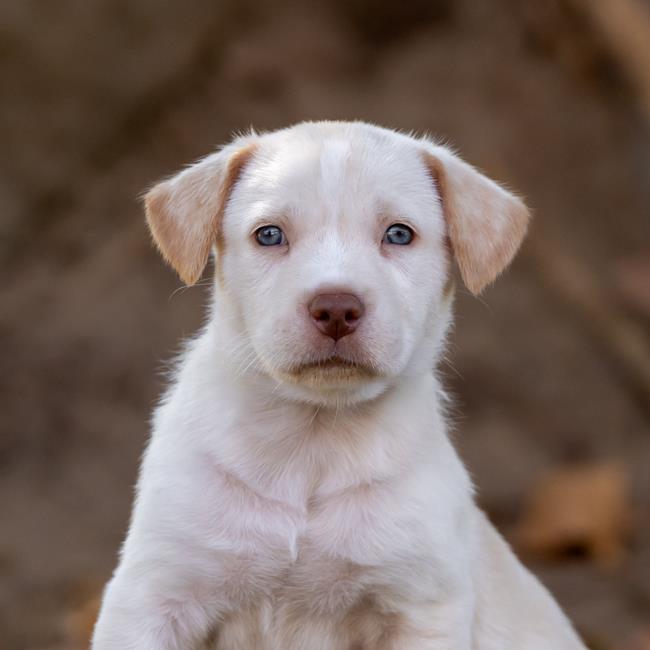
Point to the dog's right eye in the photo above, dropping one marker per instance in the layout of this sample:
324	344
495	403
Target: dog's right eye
270	236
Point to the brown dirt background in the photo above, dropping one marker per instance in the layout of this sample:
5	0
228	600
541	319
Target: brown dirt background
102	97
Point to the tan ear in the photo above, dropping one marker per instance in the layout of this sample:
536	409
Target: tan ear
185	212
486	224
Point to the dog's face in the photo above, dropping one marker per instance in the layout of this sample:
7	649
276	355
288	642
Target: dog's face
332	250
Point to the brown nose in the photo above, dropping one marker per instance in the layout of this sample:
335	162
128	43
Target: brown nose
336	314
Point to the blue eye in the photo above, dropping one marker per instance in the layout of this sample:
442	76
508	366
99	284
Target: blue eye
398	234
270	236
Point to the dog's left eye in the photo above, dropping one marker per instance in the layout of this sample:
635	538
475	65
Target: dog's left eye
270	236
398	234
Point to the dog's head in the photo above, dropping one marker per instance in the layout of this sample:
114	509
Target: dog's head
332	246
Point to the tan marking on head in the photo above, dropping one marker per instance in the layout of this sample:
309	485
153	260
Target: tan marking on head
449	290
185	213
236	166
485	223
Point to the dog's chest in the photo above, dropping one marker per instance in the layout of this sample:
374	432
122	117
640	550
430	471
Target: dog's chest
345	557
317	602
334	586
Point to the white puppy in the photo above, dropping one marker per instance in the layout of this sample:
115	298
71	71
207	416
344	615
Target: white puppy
300	490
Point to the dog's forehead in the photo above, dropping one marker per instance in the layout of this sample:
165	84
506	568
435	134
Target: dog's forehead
333	160
335	171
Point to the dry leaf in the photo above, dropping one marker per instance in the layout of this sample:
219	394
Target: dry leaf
578	510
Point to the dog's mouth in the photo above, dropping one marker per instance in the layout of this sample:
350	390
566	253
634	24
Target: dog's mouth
333	369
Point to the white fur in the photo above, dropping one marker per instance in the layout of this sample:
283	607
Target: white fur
269	508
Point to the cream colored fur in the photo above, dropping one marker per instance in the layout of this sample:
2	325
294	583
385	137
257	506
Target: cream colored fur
287	505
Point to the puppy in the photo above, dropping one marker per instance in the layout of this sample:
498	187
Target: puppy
300	490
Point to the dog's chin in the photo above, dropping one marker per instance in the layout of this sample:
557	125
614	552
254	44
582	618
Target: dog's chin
334	380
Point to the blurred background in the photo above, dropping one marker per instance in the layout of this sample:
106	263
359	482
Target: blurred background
550	369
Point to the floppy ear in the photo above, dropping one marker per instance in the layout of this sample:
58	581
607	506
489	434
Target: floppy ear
185	212
486	224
